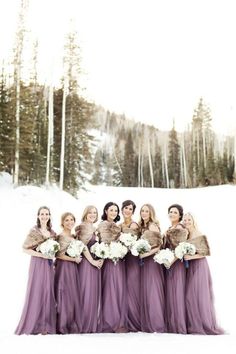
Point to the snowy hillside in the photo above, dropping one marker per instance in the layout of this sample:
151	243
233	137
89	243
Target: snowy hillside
214	208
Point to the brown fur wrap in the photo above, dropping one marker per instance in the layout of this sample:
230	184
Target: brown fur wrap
153	237
84	232
201	244
35	238
128	230
64	242
108	231
175	236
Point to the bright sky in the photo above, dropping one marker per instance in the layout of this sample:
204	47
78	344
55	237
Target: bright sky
149	59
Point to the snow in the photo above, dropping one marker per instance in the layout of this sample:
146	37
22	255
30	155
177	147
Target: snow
214	209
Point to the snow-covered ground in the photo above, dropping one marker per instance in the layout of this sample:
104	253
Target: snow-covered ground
214	208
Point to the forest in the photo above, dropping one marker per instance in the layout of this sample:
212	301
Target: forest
54	135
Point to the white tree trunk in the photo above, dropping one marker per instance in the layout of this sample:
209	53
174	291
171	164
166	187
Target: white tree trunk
166	167
184	163
150	163
63	130
17	146
204	147
50	133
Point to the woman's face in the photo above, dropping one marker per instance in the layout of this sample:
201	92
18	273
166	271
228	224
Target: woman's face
127	211
188	221
92	215
112	212
68	223
174	215
44	216
145	213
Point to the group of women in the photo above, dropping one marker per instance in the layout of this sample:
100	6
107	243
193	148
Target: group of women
90	295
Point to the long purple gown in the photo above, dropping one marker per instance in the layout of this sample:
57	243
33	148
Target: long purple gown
201	317
90	288
175	287
133	293
152	289
67	287
114	305
39	312
132	285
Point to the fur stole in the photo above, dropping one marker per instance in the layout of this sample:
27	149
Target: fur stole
84	232
201	244
153	237
128	230
175	236
108	231
35	238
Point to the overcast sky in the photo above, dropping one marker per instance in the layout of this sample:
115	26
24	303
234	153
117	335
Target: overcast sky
149	59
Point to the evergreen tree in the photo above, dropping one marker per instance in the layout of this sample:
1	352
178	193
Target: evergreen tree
174	159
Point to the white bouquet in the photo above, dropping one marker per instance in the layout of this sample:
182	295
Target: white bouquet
75	248
117	251
100	250
165	256
140	246
184	248
48	248
128	239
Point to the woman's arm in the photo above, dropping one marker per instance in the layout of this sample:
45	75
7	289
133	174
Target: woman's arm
34	253
147	254
96	263
187	257
64	257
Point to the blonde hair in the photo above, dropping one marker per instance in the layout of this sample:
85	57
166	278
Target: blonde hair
87	210
64	216
152	215
194	221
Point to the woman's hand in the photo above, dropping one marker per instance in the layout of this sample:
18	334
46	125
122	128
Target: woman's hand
98	263
78	259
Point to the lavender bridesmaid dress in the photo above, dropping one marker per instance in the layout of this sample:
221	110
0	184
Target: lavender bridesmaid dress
39	312
133	293
67	287
152	289
114	296
201	317
175	298
90	294
175	286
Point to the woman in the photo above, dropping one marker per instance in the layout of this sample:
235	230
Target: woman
39	312
201	317
132	270
176	275
113	275
89	274
152	276
67	282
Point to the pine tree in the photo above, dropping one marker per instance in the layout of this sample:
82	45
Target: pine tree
174	159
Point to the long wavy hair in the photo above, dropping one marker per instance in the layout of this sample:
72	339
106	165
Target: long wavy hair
152	216
106	207
49	223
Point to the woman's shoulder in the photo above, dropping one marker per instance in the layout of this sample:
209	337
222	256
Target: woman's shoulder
153	226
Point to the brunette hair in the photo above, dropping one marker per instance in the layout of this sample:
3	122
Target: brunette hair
127	203
64	216
106	207
180	209
49	223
